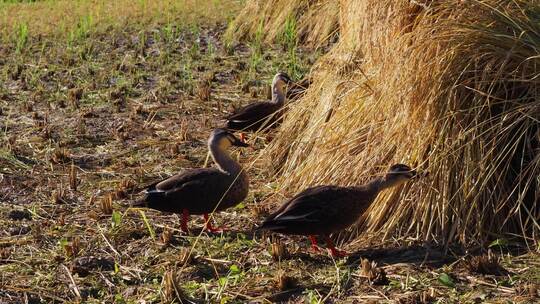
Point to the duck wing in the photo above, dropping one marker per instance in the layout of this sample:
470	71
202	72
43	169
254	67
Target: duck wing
251	116
196	190
308	209
193	176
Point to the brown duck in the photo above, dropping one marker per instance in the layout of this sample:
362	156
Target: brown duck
323	210
203	190
264	114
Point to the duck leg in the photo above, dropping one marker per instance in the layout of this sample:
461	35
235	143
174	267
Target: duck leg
333	250
242	137
184	221
314	246
208	225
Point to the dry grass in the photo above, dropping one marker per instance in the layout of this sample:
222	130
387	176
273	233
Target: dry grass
316	21
448	86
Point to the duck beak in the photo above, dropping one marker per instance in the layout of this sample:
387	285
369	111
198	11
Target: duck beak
286	79
414	174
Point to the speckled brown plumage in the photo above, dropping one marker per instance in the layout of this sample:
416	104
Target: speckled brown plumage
324	210
264	114
198	190
203	190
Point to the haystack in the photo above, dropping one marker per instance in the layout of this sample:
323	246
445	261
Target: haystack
451	87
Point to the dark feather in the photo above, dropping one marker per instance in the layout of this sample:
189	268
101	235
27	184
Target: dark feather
319	210
197	190
254	117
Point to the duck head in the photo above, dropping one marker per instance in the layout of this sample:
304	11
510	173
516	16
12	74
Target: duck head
281	80
224	139
399	174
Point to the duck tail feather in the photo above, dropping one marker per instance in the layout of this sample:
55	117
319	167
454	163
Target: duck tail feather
234	125
149	196
269	225
139	203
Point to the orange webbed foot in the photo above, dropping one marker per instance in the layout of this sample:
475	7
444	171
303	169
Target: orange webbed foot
208	226
336	253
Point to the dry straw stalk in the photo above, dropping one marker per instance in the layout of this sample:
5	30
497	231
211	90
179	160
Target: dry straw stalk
449	86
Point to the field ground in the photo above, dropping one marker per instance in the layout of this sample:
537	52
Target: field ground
89	115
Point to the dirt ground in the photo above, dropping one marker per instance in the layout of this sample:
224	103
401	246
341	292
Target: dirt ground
86	124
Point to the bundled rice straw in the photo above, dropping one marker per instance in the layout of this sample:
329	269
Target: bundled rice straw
449	86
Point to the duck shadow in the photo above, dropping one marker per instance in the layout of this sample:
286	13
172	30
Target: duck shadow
418	255
415	255
244	234
290	294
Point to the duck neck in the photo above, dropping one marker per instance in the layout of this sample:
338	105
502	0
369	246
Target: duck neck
376	185
223	160
278	96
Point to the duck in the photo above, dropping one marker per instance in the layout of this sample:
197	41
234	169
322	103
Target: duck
202	191
263	114
327	209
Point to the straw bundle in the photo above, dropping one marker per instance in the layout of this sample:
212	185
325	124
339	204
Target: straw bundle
449	86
